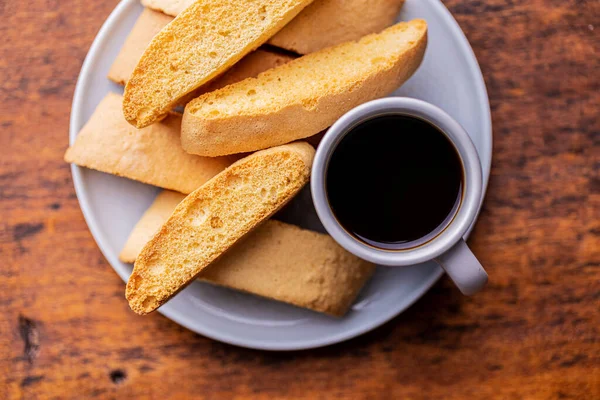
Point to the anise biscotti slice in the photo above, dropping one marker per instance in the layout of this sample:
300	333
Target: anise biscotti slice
150	22
203	41
213	218
277	261
151	155
304	96
322	24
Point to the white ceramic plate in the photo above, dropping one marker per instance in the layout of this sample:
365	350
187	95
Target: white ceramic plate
449	78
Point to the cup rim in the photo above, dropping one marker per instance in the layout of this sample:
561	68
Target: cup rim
472	189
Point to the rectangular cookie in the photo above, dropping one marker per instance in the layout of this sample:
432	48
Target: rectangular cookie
150	22
277	261
151	155
305	96
213	218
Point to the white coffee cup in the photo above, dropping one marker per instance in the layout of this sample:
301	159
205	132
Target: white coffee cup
448	248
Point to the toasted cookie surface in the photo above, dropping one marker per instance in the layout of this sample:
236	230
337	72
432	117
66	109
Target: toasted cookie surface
215	217
203	41
304	96
277	261
322	24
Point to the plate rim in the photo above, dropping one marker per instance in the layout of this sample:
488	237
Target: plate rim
118	13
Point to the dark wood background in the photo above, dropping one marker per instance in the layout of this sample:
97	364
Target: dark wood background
534	333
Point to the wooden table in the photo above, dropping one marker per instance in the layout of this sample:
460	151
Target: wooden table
67	332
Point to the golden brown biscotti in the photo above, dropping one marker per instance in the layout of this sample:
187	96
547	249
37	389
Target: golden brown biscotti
276	261
160	210
293	265
151	155
304	96
322	24
203	41
150	22
326	23
213	218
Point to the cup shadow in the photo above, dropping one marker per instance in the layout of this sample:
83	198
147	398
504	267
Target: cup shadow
300	211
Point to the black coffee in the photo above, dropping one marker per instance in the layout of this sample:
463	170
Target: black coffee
394	182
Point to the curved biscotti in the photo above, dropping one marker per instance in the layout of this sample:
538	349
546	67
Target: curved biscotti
304	96
286	263
278	261
322	24
150	22
213	218
327	23
205	39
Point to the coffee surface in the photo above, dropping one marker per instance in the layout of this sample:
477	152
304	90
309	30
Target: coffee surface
394	182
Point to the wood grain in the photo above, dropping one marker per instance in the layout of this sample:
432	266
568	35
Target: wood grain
534	333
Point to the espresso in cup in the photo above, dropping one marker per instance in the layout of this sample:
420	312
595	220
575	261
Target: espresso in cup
397	181
394	182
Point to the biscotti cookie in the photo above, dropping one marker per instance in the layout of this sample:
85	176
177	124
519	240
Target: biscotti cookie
293	265
322	24
150	22
304	96
205	40
152	155
327	23
213	218
277	261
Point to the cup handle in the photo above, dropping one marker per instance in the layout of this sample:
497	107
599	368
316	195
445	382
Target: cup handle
463	268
